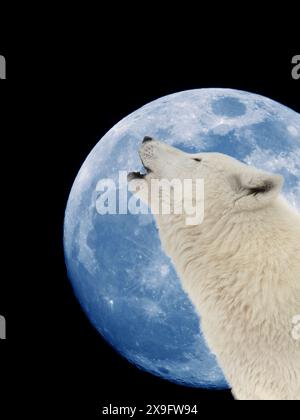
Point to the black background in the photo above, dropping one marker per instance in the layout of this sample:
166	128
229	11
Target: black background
56	106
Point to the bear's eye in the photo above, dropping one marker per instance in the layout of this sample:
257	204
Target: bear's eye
197	159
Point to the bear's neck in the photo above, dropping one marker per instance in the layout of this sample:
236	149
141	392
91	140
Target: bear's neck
233	249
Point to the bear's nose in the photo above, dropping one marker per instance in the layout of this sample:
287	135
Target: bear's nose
147	138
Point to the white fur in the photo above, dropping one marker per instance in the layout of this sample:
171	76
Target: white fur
240	268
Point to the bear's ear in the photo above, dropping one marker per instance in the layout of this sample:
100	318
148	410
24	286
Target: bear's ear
256	188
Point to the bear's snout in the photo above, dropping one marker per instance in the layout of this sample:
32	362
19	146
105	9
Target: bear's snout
146	151
146	139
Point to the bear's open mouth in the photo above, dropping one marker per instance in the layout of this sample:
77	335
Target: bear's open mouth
139	175
134	175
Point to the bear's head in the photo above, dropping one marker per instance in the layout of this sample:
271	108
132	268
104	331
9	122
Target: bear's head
229	185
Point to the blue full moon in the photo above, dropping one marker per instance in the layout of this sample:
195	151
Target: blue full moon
125	283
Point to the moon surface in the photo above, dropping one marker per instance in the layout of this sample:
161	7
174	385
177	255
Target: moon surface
125	283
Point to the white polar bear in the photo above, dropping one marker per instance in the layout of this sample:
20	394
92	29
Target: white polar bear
240	266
